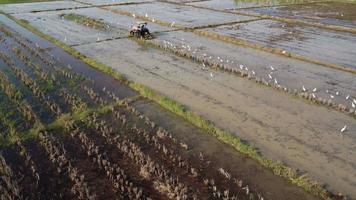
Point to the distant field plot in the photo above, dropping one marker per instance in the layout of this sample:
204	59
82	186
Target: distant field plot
39	6
110	2
314	43
21	1
181	15
72	33
328	13
236	4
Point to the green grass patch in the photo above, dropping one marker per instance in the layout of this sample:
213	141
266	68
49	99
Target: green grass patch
21	1
86	21
277	167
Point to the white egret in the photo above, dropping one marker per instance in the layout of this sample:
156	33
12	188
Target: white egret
343	129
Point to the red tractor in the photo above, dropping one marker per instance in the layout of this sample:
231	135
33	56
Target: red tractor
140	30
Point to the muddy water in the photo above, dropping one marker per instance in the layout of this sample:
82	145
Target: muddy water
281	127
236	4
181	15
39	6
314	43
289	73
330	13
66	60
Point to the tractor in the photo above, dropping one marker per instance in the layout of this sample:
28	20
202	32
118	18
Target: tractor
140	30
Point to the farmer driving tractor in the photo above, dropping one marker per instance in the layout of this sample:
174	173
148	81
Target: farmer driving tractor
140	30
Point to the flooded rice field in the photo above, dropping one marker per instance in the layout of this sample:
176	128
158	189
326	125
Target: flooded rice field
72	33
40	6
337	48
181	15
111	2
292	74
99	139
238	4
95	138
329	13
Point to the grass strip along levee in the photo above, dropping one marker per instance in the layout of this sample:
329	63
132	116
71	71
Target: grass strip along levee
87	21
20	1
277	167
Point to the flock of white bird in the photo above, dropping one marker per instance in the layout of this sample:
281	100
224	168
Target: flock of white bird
270	73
